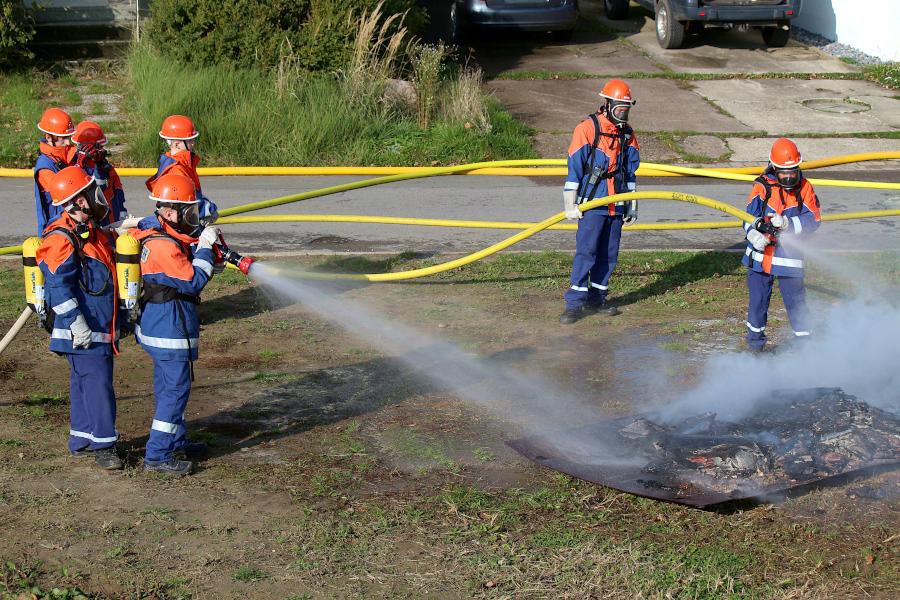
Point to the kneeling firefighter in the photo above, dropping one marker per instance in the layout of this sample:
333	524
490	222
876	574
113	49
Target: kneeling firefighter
76	258
604	156
176	263
785	204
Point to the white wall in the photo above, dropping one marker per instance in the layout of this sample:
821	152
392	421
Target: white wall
872	26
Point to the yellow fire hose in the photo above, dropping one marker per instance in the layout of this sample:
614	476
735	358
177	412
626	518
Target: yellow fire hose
538	227
516	168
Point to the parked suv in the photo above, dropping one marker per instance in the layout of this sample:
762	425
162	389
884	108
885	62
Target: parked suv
676	17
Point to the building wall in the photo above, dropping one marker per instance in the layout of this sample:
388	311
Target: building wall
868	25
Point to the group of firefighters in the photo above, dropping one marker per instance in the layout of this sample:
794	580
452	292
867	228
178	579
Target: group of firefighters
80	207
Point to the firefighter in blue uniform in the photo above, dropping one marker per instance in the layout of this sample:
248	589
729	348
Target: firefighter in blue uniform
603	158
177	260
785	204
77	258
91	155
56	153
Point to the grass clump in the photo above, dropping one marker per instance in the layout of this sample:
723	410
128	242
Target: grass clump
886	74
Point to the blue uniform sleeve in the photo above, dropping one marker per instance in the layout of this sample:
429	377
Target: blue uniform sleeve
632	162
755	206
807	219
166	264
209	212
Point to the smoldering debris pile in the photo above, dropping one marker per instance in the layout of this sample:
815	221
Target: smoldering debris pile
796	438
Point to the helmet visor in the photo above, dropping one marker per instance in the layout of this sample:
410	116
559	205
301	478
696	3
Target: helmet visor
188	216
788	178
98	203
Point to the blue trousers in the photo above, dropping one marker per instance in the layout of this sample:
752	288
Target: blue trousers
171	389
794	295
92	412
596	255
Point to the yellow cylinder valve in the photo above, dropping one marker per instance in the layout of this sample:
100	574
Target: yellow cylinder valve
34	279
128	269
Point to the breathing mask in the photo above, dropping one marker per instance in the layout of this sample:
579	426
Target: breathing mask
187	220
617	111
788	178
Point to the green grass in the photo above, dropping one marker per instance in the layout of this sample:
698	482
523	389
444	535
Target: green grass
249	574
21	106
245	122
887	74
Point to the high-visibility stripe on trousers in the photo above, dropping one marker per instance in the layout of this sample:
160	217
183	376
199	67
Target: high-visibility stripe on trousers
794	294
596	254
92	410
171	389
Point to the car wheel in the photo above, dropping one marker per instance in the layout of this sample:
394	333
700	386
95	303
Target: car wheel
616	9
775	37
669	32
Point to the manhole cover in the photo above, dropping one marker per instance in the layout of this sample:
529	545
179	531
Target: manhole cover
836	105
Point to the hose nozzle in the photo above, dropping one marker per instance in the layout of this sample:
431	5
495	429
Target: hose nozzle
238	260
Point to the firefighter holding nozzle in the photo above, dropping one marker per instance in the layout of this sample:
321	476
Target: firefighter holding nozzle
177	258
604	156
787	208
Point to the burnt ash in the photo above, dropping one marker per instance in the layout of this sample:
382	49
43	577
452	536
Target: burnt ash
794	438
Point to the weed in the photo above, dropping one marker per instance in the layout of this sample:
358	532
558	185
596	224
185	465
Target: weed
272	377
43	399
483	455
249	574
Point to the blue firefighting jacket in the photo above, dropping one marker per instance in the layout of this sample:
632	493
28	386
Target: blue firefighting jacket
610	152
173	275
800	206
52	159
79	280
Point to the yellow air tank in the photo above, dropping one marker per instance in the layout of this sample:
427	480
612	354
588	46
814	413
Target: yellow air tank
128	269
34	279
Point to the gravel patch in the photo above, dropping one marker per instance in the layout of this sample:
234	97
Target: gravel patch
833	48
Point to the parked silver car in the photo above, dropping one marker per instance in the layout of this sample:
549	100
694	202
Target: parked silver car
471	16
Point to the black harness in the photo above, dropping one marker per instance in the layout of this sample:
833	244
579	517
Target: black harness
596	176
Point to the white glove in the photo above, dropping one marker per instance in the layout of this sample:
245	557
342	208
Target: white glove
757	240
121	227
631	212
570	198
779	221
81	333
208	238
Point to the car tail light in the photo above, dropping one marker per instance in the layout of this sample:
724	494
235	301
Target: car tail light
788	12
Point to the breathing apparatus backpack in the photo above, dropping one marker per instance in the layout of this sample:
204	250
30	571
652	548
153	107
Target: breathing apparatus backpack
34	278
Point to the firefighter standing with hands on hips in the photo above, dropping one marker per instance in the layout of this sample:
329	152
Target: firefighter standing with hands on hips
604	156
77	259
56	154
176	263
786	205
91	156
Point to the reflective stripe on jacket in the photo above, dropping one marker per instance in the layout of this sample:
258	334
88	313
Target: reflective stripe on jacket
800	207
171	330
606	157
79	282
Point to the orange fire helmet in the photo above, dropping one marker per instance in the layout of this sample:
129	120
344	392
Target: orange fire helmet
174	188
88	132
67	184
56	121
785	154
618	90
178	127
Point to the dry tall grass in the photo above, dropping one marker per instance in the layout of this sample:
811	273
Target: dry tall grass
463	100
375	52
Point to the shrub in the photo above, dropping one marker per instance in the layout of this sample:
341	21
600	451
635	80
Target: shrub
245	33
16	32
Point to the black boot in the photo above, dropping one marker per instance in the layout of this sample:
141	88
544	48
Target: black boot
602	308
572	314
108	459
192	450
171	466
